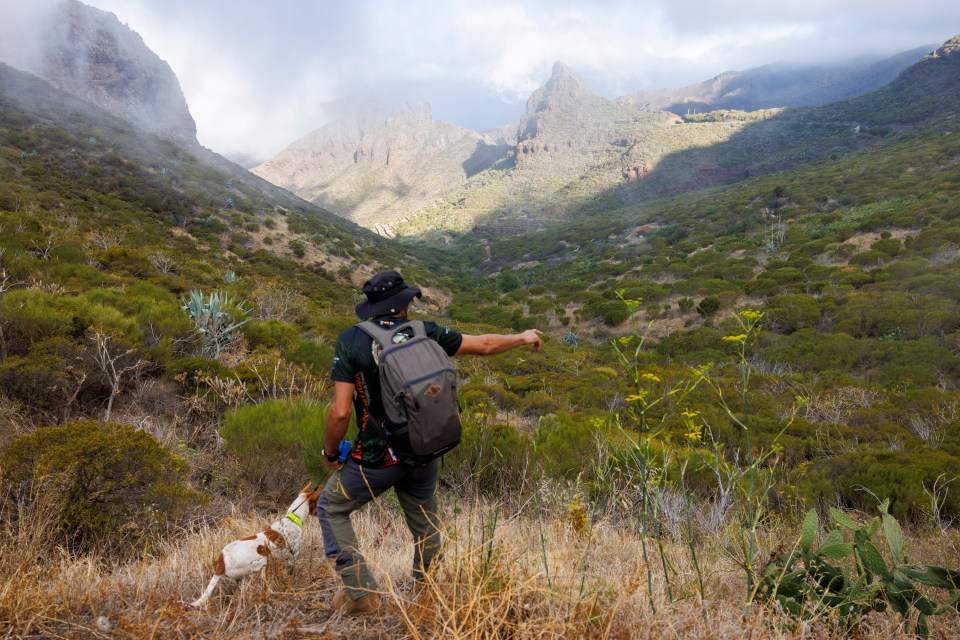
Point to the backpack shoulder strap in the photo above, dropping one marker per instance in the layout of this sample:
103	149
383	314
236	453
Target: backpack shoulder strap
379	334
385	336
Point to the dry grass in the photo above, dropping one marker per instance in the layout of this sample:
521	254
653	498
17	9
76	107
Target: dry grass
502	577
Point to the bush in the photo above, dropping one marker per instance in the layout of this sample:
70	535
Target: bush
298	248
190	371
41	381
492	458
566	446
279	443
271	334
315	356
708	306
113	485
31	316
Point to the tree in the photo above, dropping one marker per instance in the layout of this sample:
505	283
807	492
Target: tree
116	364
162	261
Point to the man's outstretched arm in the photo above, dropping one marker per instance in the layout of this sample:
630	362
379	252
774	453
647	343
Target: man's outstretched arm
491	343
338	418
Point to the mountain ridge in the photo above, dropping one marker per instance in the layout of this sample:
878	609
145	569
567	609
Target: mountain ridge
572	145
777	85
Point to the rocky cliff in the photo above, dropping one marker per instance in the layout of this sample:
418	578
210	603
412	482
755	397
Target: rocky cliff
90	54
381	163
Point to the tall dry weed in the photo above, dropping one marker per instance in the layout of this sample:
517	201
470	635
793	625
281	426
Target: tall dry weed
504	575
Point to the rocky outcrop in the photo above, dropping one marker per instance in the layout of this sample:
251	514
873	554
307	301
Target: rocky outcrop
950	49
90	54
381	163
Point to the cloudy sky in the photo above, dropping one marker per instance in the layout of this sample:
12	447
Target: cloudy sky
258	74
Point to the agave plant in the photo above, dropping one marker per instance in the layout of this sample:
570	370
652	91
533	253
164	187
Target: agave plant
215	319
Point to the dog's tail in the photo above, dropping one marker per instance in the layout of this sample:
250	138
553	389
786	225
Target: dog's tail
219	569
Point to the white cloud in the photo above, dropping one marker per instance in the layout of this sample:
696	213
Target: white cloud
257	75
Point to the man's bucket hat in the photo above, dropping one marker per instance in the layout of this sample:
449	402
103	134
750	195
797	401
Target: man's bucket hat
387	294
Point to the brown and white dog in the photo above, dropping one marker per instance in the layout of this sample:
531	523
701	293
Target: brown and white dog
282	540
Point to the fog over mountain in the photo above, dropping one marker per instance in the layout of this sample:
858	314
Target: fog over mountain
87	52
260	75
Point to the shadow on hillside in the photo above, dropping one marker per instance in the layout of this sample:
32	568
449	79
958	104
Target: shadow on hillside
484	156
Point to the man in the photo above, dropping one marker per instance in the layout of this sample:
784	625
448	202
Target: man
372	466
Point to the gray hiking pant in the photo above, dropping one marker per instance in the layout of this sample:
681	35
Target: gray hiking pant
355	485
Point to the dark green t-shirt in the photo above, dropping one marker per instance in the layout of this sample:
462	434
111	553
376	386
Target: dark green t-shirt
353	362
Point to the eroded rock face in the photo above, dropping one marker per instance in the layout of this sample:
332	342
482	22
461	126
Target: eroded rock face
380	163
89	53
950	49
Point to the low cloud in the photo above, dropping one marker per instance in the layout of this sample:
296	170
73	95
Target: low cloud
258	75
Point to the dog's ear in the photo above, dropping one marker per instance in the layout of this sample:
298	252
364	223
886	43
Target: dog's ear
307	489
316	492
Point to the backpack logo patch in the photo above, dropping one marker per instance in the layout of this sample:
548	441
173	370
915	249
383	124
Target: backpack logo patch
434	391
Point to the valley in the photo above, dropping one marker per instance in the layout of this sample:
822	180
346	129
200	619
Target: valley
750	317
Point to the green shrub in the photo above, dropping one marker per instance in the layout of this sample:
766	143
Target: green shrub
315	356
30	316
190	371
298	248
540	403
789	313
112	485
41	381
566	446
271	334
491	458
900	475
279	443
708	306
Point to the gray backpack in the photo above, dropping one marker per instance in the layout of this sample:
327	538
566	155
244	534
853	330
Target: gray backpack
419	390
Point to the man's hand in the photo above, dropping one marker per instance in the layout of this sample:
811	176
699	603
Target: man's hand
532	336
332	466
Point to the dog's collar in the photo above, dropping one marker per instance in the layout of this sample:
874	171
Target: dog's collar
295	519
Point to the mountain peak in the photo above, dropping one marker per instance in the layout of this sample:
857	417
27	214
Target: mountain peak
564	82
565	91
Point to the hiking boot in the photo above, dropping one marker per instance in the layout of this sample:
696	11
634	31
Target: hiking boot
366	605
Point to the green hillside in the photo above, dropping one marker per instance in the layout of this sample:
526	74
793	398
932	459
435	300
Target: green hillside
107	229
853	260
722	355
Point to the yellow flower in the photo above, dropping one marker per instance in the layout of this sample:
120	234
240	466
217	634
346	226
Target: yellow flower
689	414
750	315
738	338
636	396
650	377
